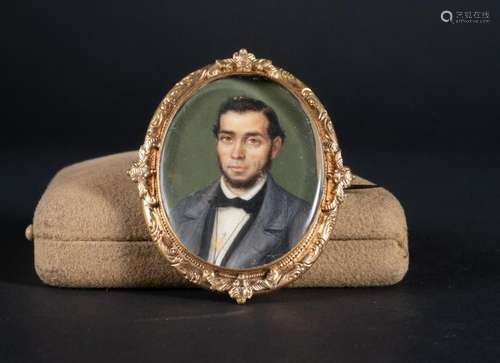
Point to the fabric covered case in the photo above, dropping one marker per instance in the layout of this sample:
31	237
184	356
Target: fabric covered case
89	231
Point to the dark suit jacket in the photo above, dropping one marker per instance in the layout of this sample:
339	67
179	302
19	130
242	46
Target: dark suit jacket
279	225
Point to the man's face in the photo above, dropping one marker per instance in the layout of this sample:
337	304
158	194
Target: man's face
244	147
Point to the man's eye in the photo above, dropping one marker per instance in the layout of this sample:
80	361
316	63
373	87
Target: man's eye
225	139
253	141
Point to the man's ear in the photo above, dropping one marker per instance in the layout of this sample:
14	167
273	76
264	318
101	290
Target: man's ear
276	146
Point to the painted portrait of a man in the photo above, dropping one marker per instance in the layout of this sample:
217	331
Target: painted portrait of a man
244	218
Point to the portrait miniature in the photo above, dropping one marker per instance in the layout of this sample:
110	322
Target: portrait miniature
240	176
245	218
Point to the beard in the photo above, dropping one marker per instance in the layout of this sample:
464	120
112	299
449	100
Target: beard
250	181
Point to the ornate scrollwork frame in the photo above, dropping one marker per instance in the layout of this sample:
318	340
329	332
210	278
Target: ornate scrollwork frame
241	285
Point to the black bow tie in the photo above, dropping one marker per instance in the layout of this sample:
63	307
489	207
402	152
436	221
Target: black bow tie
249	206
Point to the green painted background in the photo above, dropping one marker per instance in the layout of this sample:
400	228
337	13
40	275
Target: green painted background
188	160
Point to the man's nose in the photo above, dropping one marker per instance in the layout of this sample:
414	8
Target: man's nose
238	151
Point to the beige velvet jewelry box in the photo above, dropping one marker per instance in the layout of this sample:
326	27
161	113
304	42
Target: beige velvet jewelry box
89	231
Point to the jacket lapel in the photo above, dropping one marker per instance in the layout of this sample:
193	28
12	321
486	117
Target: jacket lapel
190	227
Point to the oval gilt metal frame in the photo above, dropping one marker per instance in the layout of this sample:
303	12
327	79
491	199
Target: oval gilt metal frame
241	285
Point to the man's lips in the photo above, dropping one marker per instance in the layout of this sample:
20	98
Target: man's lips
236	168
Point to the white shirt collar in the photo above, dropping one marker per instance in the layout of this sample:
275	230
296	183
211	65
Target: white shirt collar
249	194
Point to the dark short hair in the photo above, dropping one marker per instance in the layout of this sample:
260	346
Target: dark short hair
243	104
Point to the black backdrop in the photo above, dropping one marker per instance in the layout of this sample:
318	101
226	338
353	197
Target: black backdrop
414	102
